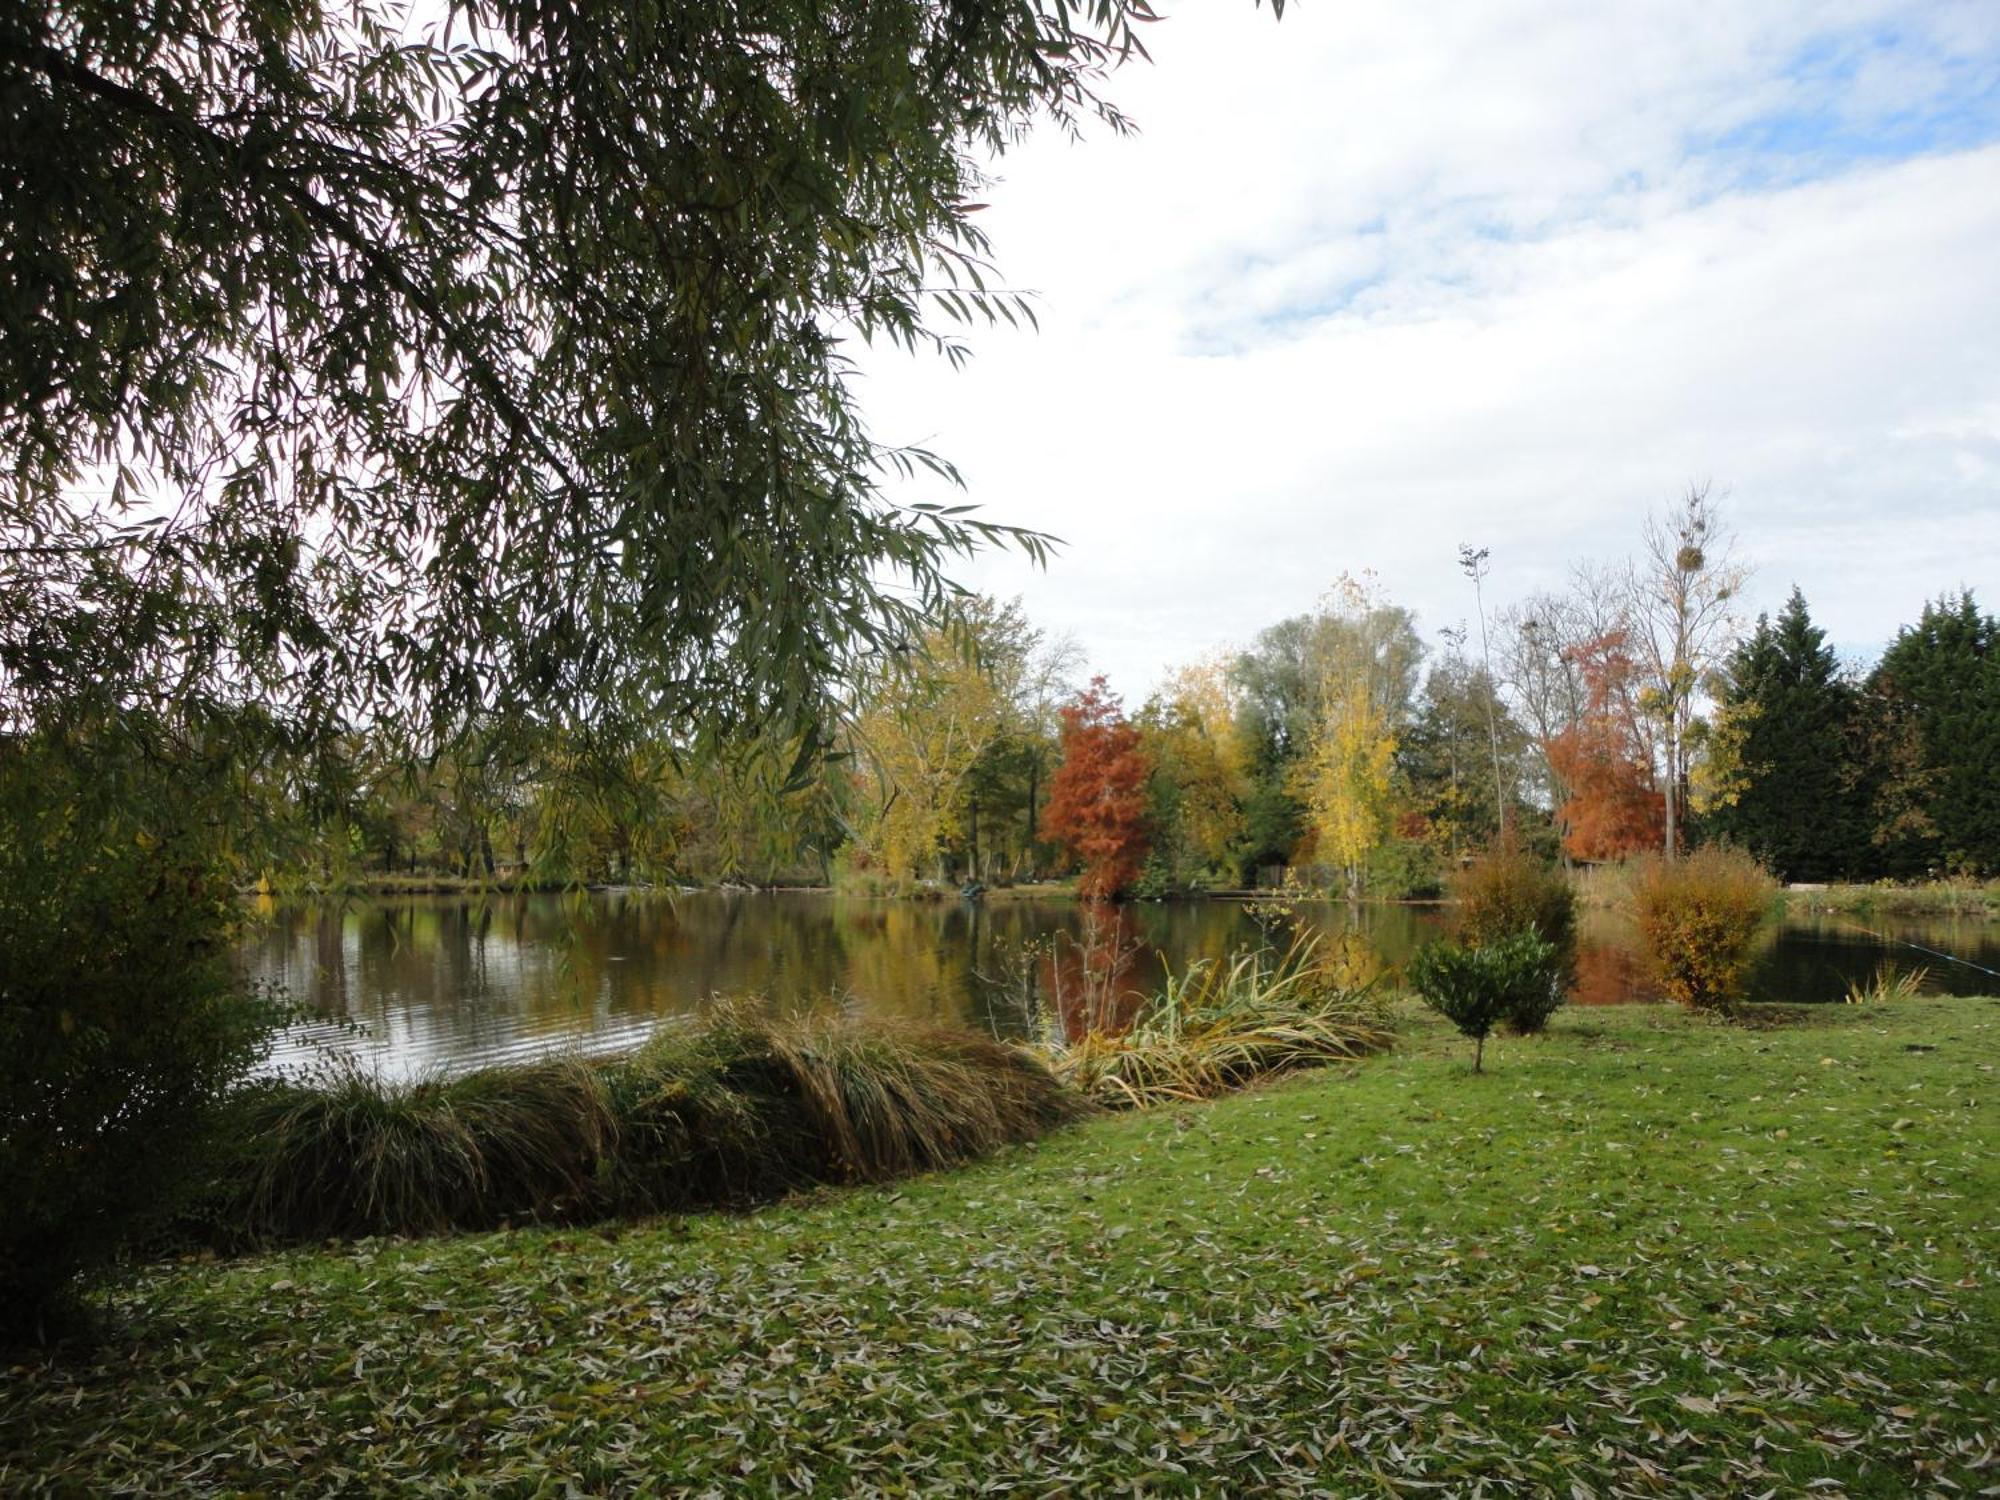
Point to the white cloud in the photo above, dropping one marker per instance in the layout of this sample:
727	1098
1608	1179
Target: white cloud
1388	277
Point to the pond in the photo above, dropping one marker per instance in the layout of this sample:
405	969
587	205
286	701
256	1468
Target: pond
408	984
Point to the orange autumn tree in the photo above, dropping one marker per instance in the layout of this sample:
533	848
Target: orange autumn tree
1097	801
1603	760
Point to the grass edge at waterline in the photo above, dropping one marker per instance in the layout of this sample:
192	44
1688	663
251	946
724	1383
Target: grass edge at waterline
736	1107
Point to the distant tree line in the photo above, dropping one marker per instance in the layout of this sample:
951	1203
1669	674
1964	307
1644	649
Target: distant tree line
1630	711
1893	772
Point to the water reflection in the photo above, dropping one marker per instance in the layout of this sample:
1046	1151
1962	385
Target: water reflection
436	981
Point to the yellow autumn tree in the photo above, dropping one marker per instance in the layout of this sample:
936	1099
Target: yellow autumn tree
1367	654
920	725
1201	765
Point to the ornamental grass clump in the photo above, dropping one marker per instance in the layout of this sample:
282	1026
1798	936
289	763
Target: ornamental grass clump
1217	1026
1699	918
361	1156
739	1108
1509	892
1888	985
731	1108
1476	988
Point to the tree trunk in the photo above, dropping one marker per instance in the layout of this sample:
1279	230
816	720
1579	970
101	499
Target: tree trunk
1034	767
1672	777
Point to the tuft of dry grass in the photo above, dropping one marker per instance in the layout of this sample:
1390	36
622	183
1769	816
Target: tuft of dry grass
1887	985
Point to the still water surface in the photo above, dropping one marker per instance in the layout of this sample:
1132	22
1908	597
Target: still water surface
414	983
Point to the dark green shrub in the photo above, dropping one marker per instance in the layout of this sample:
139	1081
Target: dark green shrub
1477	988
1507	892
122	1023
1699	918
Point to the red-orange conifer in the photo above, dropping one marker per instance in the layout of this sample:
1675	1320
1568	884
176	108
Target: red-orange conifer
1097	801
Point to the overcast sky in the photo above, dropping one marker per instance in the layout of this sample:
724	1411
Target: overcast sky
1393	275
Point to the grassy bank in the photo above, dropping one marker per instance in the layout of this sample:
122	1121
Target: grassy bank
1944	898
1642	1255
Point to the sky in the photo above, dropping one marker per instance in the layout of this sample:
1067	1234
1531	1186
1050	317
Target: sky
1389	276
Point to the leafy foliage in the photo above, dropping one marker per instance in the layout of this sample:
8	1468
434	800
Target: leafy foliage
1509	891
1405	870
1097	801
1797	809
1699	918
1366	655
1200	777
1937	689
924	720
532	323
1603	761
1445	755
1475	988
122	1020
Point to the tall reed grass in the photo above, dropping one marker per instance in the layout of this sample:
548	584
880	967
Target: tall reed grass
730	1109
1219	1025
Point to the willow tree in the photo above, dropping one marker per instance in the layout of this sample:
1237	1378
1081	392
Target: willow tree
447	376
497	366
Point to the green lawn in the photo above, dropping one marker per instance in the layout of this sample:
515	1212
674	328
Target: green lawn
1644	1255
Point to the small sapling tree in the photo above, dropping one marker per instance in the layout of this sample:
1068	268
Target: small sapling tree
1510	891
1477	988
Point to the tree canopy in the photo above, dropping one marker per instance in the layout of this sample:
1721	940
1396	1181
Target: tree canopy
498	366
1939	683
1796	810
